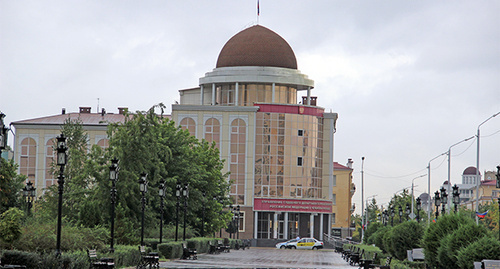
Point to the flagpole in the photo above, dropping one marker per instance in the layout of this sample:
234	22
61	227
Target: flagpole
258	12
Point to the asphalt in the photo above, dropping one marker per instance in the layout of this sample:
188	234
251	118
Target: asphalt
257	257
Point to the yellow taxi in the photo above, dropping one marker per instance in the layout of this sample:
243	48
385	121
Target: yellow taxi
306	243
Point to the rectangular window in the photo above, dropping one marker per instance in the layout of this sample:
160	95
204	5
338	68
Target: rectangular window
299	161
334	180
334	199
300	133
333	218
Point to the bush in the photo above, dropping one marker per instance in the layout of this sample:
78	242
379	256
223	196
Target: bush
170	250
404	237
486	248
372	229
10	225
387	241
436	231
30	260
378	237
126	256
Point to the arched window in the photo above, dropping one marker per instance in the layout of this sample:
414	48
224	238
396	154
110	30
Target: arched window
49	159
212	131
27	164
237	160
189	124
103	143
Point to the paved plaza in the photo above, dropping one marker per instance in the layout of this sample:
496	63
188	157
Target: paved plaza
257	257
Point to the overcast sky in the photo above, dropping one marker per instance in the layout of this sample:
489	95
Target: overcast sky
407	78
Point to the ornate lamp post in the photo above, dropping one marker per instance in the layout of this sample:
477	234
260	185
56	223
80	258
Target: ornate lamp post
444	200
203	215
113	177
408	211
3	133
437	202
392	216
178	190
161	193
29	193
61	161
400	213
143	187
456	197
419	206
386	217
238	222
185	194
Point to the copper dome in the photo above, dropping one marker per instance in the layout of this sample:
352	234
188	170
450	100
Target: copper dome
471	170
257	46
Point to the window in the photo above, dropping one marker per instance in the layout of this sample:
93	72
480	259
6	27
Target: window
333	218
334	199
300	133
299	161
334	180
189	124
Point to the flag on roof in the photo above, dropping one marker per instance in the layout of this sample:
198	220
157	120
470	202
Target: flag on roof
481	215
258	8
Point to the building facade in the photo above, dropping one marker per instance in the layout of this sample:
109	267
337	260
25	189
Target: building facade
278	150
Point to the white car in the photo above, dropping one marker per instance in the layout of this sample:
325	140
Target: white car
282	245
306	243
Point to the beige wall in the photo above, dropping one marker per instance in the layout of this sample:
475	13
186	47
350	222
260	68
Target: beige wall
342	208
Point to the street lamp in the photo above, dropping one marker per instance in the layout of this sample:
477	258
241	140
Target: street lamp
61	160
392	216
437	202
143	187
444	200
161	193
204	193
478	179
178	190
185	194
3	133
29	193
456	197
113	177
400	213
419	206
408	211
449	164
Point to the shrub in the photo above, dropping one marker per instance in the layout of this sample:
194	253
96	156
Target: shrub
436	231
462	237
30	260
443	258
404	237
378	237
387	241
170	250
372	229
10	225
486	248
126	256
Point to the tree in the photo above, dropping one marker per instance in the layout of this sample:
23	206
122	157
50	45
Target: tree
405	236
11	184
485	248
10	225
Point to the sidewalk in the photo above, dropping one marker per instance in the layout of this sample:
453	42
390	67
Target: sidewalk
264	258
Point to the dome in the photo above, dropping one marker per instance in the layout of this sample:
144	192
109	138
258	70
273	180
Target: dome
257	46
471	170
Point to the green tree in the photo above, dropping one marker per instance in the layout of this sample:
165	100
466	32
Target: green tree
399	201
460	238
484	248
10	225
405	236
11	184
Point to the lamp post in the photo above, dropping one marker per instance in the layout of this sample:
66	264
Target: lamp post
408	211
449	164
429	187
204	193
419	206
400	213
412	196
437	202
498	187
456	197
386	217
185	194
392	216
3	133
113	177
238	222
29	193
143	187
161	193
444	200
363	221
61	161
178	190
478	179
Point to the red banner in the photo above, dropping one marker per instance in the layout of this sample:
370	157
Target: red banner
292	205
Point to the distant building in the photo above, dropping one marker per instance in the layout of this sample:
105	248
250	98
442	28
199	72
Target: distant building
342	199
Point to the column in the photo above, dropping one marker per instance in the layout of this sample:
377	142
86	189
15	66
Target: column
321	227
285	224
311	225
309	96
330	226
236	94
256	222
213	94
273	93
275	225
201	94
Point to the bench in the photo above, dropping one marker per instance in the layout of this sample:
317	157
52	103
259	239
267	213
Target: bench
188	253
222	247
387	264
356	256
151	259
213	249
95	262
366	260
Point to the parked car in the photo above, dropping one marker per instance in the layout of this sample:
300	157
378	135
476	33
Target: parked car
306	243
282	245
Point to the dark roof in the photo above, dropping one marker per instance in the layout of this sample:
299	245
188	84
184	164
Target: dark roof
471	170
257	46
